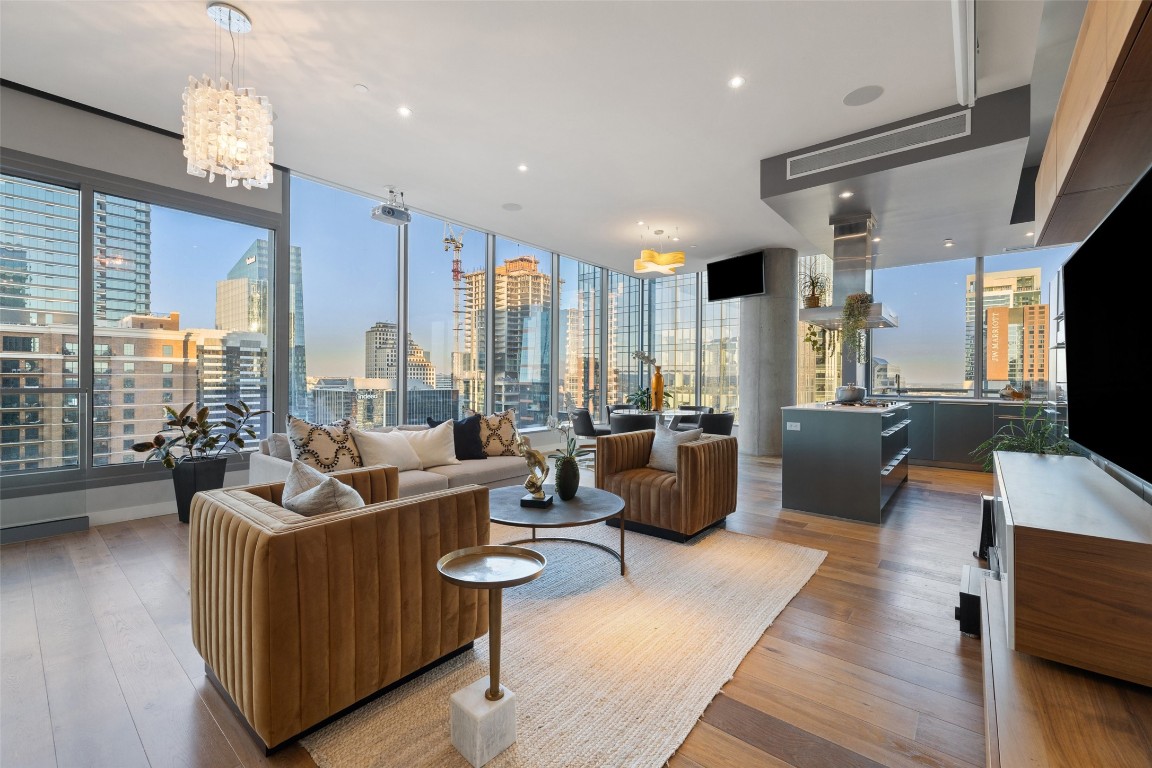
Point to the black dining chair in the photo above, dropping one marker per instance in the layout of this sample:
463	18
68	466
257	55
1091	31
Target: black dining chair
582	424
692	422
632	422
717	423
619	407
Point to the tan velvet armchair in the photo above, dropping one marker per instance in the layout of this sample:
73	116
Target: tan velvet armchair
298	619
674	505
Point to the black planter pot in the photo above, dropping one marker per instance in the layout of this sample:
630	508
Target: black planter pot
567	478
194	475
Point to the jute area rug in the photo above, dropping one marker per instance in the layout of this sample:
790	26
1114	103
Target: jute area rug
608	670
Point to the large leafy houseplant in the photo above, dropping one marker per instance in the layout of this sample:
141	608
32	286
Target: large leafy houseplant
1037	434
853	319
197	436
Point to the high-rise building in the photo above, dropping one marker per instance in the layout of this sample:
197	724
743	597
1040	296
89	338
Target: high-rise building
521	355
580	342
122	263
242	301
381	354
1016	331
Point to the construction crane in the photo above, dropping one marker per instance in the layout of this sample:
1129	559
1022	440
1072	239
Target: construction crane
454	242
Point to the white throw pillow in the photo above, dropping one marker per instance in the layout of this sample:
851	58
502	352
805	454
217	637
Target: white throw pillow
279	446
665	444
386	448
307	491
435	446
330	496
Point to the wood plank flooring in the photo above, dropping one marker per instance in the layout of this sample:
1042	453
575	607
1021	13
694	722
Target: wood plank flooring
866	666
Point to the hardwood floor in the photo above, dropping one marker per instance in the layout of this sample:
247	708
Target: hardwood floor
865	667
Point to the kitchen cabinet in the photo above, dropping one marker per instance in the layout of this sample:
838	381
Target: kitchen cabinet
958	429
920	431
844	461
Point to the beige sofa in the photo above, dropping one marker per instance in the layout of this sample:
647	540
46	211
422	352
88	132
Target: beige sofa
300	618
274	459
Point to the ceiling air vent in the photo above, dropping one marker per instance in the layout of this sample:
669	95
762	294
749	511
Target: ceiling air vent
922	134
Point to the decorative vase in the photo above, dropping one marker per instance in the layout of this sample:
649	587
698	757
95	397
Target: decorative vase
567	477
657	390
194	475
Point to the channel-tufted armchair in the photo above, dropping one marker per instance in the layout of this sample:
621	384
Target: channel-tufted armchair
673	505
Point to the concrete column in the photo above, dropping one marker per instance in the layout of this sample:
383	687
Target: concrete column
768	354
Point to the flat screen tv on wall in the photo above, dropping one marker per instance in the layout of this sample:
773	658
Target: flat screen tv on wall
736	276
1107	319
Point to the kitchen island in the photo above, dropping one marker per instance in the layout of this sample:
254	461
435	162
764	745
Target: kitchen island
844	460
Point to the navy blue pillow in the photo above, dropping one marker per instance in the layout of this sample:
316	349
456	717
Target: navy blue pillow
466	437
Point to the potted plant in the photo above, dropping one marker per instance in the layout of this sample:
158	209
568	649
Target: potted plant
194	447
853	319
813	287
567	468
641	399
1038	434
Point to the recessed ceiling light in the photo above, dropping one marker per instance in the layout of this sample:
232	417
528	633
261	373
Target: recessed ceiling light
360	88
736	82
1029	234
693	245
863	95
640	223
522	168
875	239
845	195
948	243
404	111
675	239
512	207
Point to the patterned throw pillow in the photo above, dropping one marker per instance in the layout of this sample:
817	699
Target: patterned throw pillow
327	447
498	433
666	444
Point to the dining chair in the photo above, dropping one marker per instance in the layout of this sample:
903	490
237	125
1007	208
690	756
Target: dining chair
717	423
692	422
632	422
583	426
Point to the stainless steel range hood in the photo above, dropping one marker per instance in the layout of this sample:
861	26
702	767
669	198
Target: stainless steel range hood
852	261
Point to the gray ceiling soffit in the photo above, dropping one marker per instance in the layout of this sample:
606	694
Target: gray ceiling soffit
995	119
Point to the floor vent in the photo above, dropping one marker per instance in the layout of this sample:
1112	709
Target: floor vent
922	134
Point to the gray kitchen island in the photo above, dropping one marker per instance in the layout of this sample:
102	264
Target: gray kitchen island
844	460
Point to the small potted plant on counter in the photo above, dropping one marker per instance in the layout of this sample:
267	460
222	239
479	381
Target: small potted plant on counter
195	448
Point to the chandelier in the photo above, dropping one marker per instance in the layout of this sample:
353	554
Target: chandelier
654	261
228	131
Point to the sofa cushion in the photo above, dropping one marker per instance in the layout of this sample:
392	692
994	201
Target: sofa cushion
434	446
386	448
416	481
310	492
328	447
665	445
279	446
466	436
498	433
495	469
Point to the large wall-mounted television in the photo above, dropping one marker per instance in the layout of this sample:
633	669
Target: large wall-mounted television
1106	318
736	276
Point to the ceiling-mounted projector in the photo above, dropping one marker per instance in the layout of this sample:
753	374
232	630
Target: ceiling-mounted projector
393	211
391	214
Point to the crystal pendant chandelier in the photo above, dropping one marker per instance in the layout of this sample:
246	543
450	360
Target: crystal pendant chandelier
228	131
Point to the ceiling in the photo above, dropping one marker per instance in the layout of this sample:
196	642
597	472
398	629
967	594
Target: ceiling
620	110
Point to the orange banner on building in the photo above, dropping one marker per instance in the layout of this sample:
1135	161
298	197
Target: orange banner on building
996	357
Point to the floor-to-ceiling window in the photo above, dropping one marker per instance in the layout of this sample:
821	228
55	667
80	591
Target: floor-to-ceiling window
673	317
626	310
931	351
522	332
447	285
579	333
719	355
40	396
181	313
343	307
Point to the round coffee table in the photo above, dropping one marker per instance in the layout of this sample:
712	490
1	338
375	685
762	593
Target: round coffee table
588	506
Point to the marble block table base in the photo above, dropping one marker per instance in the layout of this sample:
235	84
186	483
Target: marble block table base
482	729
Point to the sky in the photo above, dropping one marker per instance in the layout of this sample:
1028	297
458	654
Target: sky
349	274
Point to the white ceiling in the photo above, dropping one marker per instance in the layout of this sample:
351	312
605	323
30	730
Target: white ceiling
620	109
